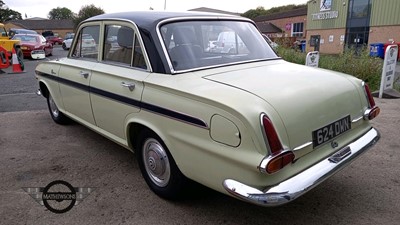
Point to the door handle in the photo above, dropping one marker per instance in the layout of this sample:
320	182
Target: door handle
131	86
84	74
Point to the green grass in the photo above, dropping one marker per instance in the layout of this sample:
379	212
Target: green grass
360	65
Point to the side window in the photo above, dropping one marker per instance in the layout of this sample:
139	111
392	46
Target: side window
87	43
122	46
118	44
138	57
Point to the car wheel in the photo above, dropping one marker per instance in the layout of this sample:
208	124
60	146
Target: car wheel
55	113
158	167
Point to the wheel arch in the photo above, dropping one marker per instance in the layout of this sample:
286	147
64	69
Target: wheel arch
44	89
134	128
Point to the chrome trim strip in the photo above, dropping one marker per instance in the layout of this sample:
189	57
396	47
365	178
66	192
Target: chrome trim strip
357	119
303	146
301	183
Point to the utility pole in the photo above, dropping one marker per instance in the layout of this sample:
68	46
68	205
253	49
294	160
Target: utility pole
165	5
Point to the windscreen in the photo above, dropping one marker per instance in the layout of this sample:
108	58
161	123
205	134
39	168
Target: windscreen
198	44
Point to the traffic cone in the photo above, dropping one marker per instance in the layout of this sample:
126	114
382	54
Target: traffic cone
16	65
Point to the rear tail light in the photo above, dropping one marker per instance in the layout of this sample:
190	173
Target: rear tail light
372	111
278	158
271	135
371	100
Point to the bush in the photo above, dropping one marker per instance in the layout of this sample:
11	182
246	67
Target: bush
358	64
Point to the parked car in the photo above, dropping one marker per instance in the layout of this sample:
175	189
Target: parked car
229	42
247	124
14	31
54	40
68	41
34	46
87	43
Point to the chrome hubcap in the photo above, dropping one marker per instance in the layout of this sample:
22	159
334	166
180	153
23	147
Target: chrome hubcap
156	162
53	107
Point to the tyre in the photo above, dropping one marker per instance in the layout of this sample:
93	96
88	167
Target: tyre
158	167
55	113
64	46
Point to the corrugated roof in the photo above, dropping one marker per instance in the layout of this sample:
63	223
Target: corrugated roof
44	24
281	15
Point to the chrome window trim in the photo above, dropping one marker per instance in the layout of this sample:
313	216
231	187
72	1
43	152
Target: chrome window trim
199	18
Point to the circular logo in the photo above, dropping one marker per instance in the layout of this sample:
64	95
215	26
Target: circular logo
59	196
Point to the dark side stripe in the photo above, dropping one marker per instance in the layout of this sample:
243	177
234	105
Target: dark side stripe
146	106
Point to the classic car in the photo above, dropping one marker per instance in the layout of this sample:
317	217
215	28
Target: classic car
34	46
247	124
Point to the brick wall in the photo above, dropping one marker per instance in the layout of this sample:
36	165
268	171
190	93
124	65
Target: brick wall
281	23
335	46
384	34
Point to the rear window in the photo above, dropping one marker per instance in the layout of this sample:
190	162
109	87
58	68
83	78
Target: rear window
198	44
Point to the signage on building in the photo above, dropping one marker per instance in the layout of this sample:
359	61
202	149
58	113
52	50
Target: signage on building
288	26
325	11
312	59
389	69
326	5
325	15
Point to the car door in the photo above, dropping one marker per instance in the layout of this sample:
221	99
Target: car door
75	76
117	82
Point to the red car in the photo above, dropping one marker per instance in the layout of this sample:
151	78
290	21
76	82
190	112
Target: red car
34	46
54	40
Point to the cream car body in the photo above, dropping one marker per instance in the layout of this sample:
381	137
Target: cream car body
261	129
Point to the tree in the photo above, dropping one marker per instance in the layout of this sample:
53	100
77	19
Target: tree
60	14
86	12
260	11
7	14
253	13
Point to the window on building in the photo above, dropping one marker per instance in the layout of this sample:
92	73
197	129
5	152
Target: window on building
359	8
297	29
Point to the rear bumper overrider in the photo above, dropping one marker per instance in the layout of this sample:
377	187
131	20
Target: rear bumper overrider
299	184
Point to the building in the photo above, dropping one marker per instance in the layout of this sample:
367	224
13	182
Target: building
284	24
333	25
59	27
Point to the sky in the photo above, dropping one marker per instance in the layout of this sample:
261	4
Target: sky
41	8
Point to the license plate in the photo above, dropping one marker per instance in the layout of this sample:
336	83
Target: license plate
330	131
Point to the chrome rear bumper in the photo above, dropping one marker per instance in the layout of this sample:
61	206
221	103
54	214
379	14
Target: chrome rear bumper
299	184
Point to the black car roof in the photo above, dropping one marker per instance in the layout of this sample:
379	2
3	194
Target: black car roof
147	22
149	19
